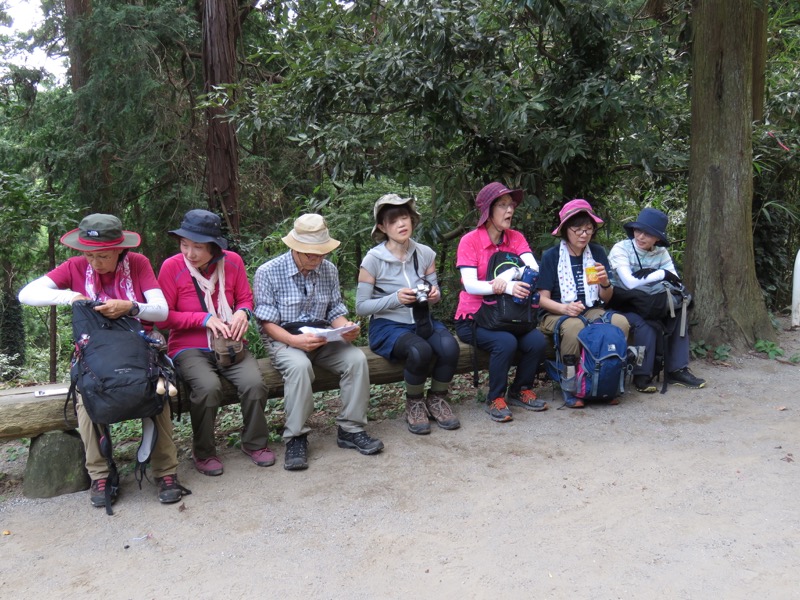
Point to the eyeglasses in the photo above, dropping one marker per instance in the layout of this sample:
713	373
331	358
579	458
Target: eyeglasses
311	257
580	232
505	207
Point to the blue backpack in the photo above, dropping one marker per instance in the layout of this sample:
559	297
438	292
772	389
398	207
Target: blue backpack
603	363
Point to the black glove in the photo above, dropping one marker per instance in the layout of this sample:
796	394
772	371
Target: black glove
672	278
642	273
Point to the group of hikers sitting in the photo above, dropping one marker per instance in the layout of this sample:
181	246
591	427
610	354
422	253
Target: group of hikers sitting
202	297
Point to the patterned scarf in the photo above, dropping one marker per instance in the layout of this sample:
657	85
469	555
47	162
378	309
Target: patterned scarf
123	284
566	279
207	286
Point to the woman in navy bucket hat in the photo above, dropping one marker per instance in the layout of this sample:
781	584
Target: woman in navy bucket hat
496	206
643	262
209	296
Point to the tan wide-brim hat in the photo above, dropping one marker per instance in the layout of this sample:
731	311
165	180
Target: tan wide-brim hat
310	235
100	232
393	200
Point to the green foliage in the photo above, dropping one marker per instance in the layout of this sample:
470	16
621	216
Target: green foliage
722	352
770	348
12	332
699	349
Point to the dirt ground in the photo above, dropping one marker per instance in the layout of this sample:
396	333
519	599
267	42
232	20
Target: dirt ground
691	494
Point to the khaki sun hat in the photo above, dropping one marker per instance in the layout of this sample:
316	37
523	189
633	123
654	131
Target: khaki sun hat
310	235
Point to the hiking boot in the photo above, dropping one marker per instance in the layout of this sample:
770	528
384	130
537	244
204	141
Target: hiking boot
685	378
417	415
440	410
498	410
358	441
296	458
211	466
644	384
263	457
98	492
526	398
169	490
571	401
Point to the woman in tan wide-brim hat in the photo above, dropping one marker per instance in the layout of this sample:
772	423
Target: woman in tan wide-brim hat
106	271
397	284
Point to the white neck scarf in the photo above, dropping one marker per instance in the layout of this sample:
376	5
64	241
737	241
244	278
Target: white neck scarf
566	279
207	286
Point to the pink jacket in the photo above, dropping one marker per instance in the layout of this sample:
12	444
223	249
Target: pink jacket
186	315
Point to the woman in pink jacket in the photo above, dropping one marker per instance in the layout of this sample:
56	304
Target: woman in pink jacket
198	313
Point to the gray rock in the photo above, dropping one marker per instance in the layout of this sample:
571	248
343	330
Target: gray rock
55	465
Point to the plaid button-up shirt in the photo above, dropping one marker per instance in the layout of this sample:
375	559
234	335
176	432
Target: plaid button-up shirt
283	295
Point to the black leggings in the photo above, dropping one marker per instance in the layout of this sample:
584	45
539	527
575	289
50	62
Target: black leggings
441	349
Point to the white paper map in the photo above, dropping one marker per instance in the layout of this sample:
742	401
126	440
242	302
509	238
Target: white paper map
332	335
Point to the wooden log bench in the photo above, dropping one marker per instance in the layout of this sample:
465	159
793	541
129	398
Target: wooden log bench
23	414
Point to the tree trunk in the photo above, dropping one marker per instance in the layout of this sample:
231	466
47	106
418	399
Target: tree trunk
720	264
76	11
52	316
220	30
759	60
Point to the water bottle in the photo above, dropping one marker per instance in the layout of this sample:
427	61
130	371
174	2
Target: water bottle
529	276
568	383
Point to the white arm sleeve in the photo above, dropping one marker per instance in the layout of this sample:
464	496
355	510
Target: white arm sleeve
469	277
630	282
44	292
156	308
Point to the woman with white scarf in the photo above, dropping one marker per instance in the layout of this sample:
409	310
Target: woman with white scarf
563	286
209	296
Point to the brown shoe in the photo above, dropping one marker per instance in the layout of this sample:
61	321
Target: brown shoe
440	410
417	415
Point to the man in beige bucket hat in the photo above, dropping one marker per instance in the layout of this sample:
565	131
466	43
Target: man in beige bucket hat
301	288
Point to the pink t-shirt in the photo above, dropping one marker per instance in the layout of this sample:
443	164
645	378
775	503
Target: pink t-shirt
71	275
186	315
474	250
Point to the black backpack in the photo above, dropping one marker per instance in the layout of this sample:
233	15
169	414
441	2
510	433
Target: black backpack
499	312
115	368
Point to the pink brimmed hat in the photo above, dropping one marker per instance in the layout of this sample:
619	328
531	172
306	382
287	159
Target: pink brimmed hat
572	208
490	193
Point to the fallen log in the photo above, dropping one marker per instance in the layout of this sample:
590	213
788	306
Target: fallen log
24	414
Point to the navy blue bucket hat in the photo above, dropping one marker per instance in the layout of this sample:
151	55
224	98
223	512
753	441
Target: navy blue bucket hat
201	226
652	221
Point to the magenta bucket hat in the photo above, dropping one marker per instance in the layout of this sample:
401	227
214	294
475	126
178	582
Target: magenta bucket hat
572	208
490	193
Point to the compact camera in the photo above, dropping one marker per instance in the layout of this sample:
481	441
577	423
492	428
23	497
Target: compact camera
422	291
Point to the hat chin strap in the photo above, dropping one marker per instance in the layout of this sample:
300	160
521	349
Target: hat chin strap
498	229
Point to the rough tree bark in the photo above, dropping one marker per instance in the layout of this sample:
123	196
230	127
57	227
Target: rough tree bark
759	59
220	30
75	11
720	264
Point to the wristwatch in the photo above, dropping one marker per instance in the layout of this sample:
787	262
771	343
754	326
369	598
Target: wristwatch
605	287
134	311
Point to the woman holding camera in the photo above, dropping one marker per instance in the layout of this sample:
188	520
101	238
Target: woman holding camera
497	205
397	284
